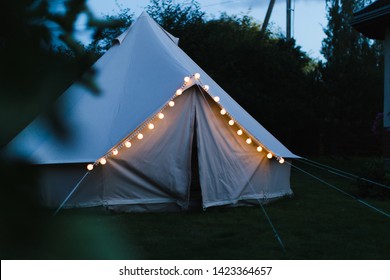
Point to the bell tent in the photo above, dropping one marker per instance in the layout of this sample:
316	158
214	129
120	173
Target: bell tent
160	128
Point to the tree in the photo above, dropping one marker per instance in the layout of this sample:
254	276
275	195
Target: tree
268	75
34	70
174	16
352	81
103	39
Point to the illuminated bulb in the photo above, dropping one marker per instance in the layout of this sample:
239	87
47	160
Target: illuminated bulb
269	155
115	152
231	122
206	87
179	91
161	116
151	126
281	160
171	103
186	79
90	167
248	141
103	161
197	76
239	132
216	99
140	136
259	149
223	112
128	144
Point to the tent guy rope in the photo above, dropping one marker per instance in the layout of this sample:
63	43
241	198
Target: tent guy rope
259	149
340	172
343	192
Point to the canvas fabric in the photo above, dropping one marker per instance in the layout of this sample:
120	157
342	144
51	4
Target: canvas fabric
157	169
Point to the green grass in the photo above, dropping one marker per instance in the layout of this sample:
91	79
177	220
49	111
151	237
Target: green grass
317	222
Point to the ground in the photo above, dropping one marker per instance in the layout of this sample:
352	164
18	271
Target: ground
317	222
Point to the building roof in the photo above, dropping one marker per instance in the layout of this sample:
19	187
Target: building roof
373	19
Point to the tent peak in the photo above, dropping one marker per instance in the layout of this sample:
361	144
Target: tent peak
148	20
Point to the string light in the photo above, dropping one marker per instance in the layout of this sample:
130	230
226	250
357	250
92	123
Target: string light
161	116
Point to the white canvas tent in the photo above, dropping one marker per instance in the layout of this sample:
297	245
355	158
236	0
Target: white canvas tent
139	77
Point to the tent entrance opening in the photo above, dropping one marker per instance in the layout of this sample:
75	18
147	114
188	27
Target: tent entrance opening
195	199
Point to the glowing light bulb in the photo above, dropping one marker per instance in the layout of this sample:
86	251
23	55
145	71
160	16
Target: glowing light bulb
171	103
206	87
179	91
239	132
151	126
259	149
140	136
223	112
90	167
216	99
231	122
103	161
197	76
115	152
269	155
128	144
248	141
161	116
281	160
186	79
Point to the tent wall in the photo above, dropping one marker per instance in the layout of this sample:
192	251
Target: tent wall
231	170
155	173
58	180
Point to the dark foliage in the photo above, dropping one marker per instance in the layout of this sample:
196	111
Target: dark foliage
352	84
312	107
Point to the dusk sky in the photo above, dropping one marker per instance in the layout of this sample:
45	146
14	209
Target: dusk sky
309	16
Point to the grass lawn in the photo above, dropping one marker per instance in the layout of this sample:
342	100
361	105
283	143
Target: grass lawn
316	223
